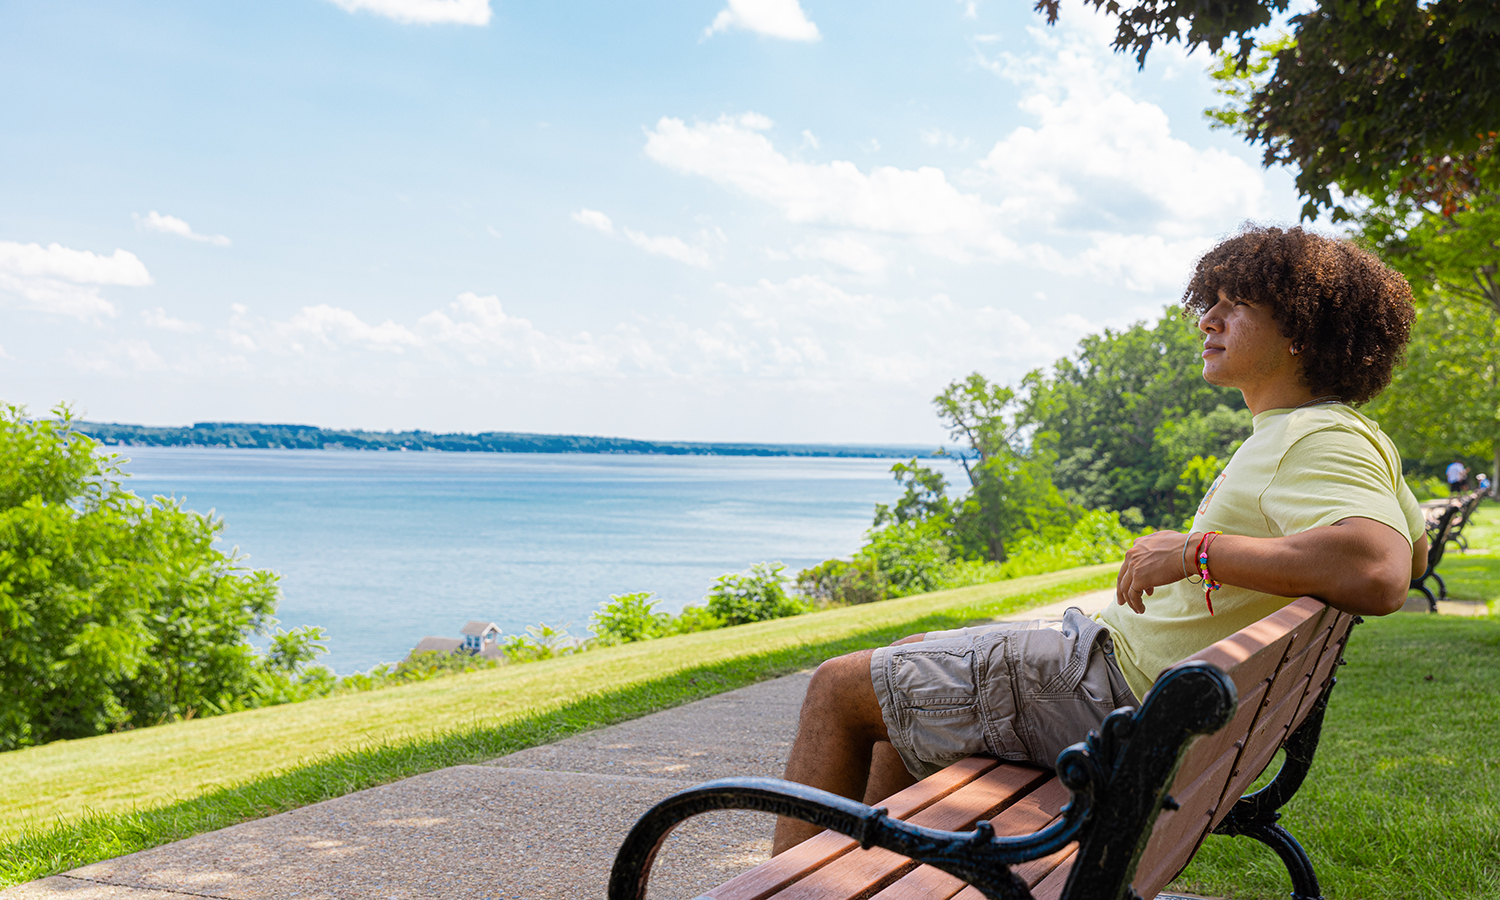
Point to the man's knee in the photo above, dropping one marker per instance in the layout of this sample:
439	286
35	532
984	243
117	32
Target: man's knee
841	687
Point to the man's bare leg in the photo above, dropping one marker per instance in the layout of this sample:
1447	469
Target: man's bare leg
836	735
888	774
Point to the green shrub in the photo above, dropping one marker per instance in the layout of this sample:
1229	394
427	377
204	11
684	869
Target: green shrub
541	641
694	618
839	582
912	557
629	617
118	613
422	666
753	596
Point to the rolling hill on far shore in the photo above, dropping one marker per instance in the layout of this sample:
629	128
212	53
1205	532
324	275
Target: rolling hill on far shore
308	437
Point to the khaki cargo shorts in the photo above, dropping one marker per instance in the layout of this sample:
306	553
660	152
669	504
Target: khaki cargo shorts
1020	691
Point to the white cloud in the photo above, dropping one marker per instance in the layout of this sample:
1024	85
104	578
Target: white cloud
331	326
1101	165
595	219
848	252
117	357
936	137
57	278
915	202
482	332
666	245
423	12
772	18
158	318
155	221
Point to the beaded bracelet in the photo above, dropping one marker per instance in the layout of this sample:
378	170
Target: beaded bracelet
1209	585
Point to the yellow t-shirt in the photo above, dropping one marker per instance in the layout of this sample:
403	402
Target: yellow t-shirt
1300	469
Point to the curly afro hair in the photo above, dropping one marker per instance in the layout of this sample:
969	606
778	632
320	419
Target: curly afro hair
1350	314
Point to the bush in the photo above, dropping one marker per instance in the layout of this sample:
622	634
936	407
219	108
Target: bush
752	596
629	617
912	557
1098	537
541	641
116	613
838	582
1430	488
694	618
422	666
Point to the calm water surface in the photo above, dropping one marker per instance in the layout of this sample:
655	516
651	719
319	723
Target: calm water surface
383	548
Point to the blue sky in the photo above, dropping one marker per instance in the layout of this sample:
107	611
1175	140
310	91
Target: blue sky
712	220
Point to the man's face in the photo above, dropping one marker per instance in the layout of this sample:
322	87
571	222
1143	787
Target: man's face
1243	348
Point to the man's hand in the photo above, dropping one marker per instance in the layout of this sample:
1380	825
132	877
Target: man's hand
1152	561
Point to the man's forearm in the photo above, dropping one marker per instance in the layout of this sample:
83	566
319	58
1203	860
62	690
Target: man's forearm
1356	565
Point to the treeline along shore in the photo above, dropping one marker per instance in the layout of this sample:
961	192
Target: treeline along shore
308	437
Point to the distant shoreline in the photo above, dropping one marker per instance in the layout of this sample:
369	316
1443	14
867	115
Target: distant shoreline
251	435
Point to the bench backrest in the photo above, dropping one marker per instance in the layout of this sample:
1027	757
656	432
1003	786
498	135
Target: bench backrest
1469	502
1280	666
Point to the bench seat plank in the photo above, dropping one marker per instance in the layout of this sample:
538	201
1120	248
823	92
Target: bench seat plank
1031	813
769	877
859	873
1338	637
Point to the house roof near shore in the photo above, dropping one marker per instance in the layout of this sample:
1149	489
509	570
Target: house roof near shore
478	628
437	644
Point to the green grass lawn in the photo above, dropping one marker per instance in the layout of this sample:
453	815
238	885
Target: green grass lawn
68	803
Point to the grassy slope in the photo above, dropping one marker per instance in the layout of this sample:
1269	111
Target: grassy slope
71	802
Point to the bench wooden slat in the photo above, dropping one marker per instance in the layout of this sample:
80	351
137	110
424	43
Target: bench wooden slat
1283	698
1250	658
770	877
1338	637
1031	813
859	873
1051	887
1265	677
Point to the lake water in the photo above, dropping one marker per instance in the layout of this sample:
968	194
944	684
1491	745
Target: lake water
383	548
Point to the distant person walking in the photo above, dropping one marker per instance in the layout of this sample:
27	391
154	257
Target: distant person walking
1458	477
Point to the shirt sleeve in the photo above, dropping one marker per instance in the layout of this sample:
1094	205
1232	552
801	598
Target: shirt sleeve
1335	474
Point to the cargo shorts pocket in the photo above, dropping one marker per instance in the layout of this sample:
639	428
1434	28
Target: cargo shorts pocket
933	695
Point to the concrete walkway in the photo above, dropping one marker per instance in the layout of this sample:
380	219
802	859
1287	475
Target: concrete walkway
540	824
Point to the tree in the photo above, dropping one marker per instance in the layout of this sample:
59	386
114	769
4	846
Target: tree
1456	254
1383	98
1126	413
1445	402
1010	486
116	613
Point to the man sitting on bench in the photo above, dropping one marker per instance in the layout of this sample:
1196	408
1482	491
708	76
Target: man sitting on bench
1312	503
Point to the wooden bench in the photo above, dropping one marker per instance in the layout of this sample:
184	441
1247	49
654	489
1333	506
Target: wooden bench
1120	817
